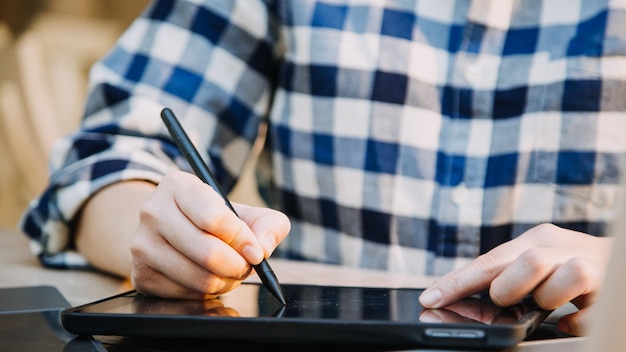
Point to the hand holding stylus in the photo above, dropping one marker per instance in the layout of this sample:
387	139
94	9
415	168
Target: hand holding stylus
263	269
189	244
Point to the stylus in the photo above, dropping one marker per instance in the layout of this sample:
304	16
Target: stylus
263	269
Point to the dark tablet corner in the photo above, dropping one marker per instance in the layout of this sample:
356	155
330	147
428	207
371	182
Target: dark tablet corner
33	298
30	320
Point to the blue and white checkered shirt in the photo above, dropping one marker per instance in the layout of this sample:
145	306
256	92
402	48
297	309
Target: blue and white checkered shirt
402	135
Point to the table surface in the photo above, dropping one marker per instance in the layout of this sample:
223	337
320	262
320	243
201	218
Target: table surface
21	268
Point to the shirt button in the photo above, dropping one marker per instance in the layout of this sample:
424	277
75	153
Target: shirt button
473	74
460	193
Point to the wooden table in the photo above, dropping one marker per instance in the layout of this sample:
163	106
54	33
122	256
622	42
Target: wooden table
21	268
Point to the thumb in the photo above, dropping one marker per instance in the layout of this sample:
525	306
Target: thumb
269	225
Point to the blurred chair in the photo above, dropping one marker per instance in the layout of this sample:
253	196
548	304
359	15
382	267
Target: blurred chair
24	140
43	82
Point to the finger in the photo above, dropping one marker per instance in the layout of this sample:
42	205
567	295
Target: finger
206	209
468	280
178	231
153	255
577	280
269	225
204	249
188	274
524	274
150	282
479	273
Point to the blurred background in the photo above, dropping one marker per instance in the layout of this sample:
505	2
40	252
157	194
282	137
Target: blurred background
46	50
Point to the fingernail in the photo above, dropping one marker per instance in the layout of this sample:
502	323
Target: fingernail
430	298
252	254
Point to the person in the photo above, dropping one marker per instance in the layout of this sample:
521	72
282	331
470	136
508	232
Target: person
481	141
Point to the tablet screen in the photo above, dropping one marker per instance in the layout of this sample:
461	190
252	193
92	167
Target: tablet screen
322	303
312	314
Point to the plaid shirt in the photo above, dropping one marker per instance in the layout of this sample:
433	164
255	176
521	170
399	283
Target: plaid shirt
404	135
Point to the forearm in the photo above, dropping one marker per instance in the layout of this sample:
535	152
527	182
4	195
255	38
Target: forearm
107	225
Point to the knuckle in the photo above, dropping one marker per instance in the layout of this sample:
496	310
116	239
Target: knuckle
455	285
451	283
487	265
212	258
150	212
548	301
175	176
216	218
239	234
542	231
497	297
534	261
141	279
137	249
209	286
136	252
501	294
581	271
147	211
543	302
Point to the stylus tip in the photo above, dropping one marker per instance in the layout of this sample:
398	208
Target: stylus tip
270	281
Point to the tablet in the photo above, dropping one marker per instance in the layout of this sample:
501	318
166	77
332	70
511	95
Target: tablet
324	315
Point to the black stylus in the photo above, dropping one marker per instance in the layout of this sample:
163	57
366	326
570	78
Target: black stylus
263	269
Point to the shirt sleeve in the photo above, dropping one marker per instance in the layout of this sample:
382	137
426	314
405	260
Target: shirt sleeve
212	63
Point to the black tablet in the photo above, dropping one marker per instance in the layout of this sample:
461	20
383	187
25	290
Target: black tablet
324	315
